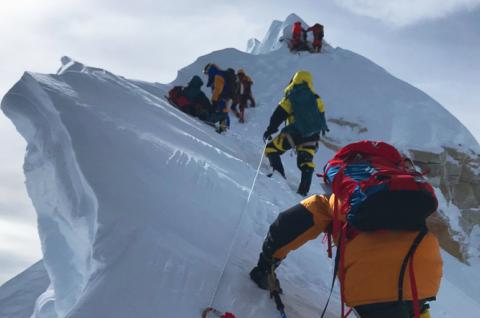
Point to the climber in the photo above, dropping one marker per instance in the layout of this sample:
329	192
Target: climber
191	99
379	229
317	30
304	112
298	40
223	91
244	94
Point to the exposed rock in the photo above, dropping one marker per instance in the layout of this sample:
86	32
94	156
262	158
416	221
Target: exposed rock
330	144
442	230
345	123
470	219
457	175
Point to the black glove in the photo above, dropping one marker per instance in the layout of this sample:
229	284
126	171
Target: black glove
324	128
267	135
324	131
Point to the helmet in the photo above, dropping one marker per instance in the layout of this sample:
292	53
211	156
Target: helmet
240	71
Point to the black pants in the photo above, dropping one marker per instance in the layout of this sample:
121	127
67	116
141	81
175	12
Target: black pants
288	232
306	148
389	310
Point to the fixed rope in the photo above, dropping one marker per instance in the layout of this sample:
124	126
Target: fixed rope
237	230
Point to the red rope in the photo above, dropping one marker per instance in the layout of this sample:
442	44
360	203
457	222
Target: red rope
348	312
413	286
341	267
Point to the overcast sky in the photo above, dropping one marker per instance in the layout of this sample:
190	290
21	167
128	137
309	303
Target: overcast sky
432	44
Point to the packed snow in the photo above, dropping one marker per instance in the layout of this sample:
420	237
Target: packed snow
144	211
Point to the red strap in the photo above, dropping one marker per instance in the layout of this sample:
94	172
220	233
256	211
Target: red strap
327	238
348	312
341	267
336	221
413	286
329	249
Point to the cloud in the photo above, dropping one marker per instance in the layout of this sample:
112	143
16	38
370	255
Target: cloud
151	40
18	247
407	12
135	40
13	264
148	40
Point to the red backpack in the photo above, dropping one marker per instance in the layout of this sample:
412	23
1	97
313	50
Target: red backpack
297	30
376	188
175	96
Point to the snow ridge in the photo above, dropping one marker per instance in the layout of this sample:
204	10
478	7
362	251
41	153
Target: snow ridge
65	203
138	201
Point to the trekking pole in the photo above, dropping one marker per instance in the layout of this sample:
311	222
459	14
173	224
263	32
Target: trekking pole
237	230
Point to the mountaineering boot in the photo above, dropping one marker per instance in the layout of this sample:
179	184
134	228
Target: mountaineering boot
276	163
260	277
222	126
305	182
241	117
260	273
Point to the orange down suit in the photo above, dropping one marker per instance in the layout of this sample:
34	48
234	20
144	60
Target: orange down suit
372	260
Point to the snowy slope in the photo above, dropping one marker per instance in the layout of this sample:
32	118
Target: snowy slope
354	89
126	186
140	206
18	296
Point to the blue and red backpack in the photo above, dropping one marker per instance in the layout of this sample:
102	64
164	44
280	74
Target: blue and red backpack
376	188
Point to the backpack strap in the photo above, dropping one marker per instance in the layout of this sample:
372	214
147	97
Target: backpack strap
339	270
409	257
328	238
413	285
335	271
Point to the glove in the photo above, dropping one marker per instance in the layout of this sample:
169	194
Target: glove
323	131
267	135
324	128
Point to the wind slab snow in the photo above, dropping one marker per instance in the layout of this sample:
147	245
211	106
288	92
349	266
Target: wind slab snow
139	205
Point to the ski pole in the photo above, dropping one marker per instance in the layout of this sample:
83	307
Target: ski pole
237	230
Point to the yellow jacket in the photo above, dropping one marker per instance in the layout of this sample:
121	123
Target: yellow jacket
373	259
218	86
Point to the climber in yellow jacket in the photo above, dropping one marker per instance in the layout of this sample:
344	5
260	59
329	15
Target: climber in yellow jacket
372	260
304	112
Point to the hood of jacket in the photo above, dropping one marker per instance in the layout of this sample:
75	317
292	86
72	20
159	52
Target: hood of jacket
195	82
299	78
